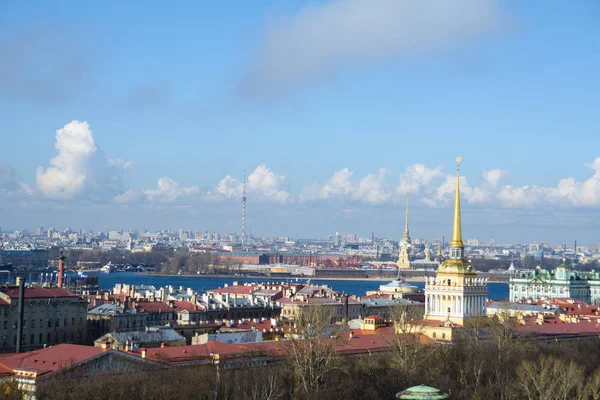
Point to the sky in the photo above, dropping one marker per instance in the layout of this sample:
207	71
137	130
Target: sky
122	115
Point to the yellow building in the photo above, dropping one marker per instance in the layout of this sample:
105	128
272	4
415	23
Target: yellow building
455	293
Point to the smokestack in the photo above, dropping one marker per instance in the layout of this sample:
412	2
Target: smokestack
575	247
21	306
61	269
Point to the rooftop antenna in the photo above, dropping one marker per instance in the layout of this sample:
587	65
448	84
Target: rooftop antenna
244	211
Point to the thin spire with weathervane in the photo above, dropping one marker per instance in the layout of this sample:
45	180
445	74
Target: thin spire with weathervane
457	227
406	237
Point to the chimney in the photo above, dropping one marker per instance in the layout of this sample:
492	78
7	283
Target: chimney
162	345
143	353
61	269
127	347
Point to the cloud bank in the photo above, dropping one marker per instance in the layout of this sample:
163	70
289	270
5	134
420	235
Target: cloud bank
315	43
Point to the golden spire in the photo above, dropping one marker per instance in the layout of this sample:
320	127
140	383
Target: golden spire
456	228
406	237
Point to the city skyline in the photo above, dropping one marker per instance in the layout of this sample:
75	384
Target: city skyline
114	123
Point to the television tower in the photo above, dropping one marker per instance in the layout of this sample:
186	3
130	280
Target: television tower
244	211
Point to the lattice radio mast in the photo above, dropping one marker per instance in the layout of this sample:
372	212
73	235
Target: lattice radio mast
244	211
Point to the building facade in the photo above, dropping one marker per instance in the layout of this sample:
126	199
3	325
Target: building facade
51	316
543	284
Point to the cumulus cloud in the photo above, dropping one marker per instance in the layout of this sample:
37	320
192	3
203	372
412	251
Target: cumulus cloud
80	168
371	189
313	44
262	182
568	192
70	170
416	177
166	191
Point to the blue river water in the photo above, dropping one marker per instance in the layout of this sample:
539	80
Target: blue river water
496	291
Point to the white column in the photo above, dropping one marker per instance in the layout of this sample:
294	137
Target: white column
456	305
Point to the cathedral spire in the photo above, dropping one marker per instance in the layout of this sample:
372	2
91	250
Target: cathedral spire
457	227
406	237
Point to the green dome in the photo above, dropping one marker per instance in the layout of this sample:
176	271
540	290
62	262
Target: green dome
421	392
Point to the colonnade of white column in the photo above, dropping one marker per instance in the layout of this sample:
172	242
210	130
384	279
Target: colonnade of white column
454	305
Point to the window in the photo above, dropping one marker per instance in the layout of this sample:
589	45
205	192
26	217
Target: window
65	321
443	336
434	334
32	338
5	324
49	323
41	338
73	321
24	323
41	325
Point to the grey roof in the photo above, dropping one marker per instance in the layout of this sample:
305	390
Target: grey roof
104	309
517	306
387	302
152	335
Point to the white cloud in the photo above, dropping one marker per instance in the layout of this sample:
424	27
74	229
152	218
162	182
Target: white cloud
119	163
80	168
167	191
568	192
313	44
371	189
267	183
71	168
262	182
416	177
495	176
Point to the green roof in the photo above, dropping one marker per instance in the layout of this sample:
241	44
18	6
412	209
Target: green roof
421	392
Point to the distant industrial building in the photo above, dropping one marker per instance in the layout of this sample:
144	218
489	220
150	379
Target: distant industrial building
36	258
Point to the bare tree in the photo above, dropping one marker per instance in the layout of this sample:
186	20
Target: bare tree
408	352
551	378
312	350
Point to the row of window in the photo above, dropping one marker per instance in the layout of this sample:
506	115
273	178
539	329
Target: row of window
43	322
41	339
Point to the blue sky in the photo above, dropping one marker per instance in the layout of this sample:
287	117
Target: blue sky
334	108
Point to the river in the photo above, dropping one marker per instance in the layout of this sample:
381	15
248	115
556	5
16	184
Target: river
496	291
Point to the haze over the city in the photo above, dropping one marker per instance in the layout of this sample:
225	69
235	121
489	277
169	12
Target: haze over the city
136	116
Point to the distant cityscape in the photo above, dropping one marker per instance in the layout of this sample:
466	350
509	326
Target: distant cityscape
29	248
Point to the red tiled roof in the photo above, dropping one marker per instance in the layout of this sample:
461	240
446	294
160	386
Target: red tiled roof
50	359
13	292
554	326
153	306
188	306
190	352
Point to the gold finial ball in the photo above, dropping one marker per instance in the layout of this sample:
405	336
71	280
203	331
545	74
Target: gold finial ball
458	159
